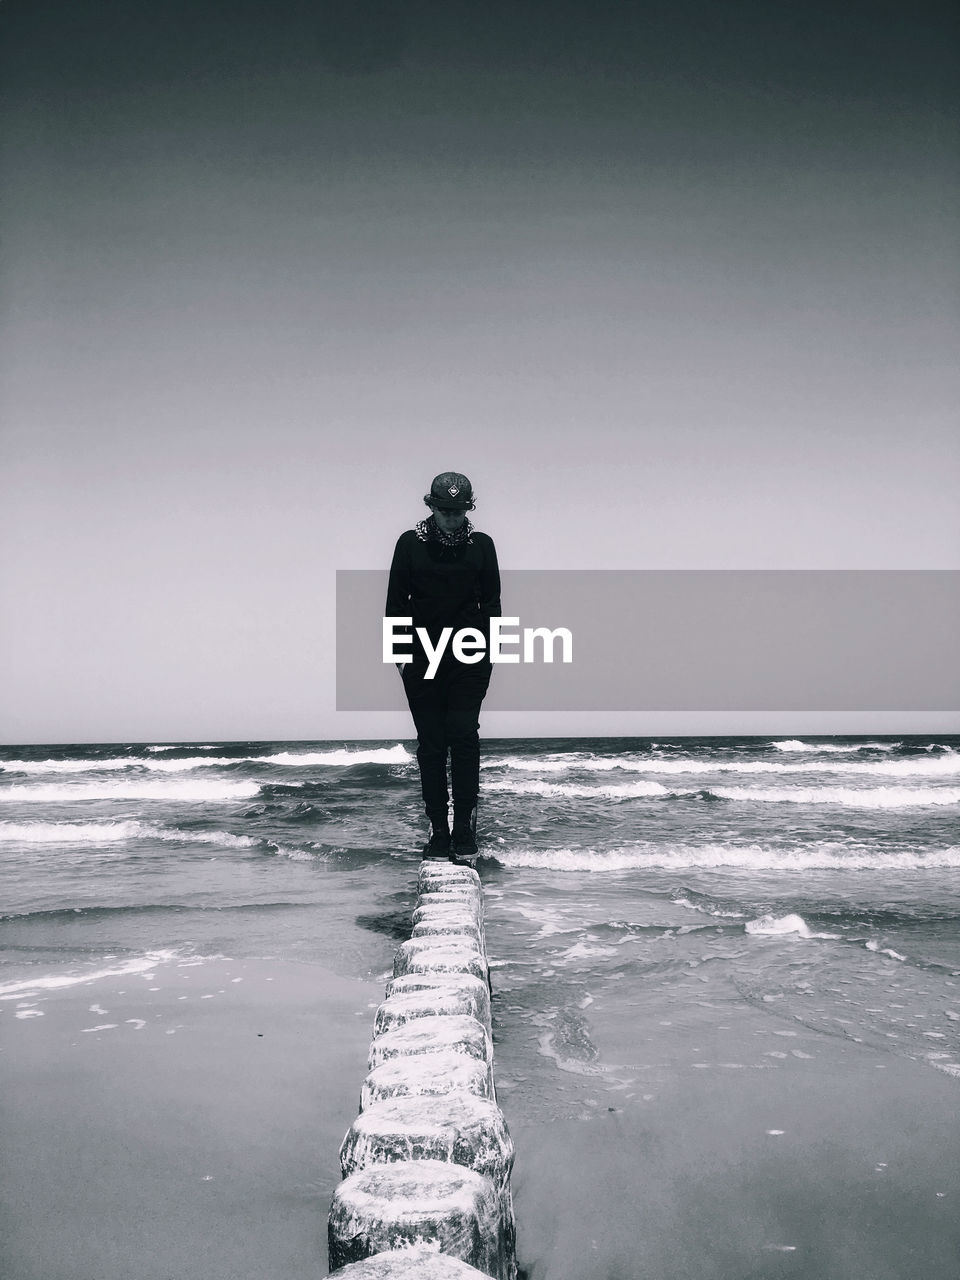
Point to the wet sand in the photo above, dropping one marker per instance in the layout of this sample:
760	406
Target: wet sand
195	1135
845	1168
202	1143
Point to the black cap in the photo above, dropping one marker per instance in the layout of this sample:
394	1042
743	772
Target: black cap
450	491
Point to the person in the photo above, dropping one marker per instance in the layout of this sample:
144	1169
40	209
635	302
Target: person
445	574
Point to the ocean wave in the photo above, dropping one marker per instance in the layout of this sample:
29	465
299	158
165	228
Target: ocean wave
561	790
794	744
113	764
706	857
865	798
72	833
343	756
945	765
317	852
873	945
684	901
155	762
58	981
533	764
100	833
131	789
851	748
778	926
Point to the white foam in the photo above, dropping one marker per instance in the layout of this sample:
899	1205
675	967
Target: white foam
72	833
550	920
132	789
59	981
794	744
302	855
585	951
620	791
749	857
867	798
112	764
777	925
709	911
947	765
376	755
536	764
575	1066
873	945
850	797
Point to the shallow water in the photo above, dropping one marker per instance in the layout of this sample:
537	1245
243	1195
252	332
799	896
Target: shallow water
819	880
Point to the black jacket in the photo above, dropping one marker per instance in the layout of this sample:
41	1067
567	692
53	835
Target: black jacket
440	586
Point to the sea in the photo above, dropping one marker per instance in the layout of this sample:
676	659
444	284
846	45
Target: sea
810	887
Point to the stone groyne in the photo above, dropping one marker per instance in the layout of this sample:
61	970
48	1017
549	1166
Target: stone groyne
426	1164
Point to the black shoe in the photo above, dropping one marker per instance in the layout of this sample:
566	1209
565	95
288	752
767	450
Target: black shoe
438	846
463	843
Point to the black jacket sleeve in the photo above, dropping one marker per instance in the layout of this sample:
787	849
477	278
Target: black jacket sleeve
398	587
490	584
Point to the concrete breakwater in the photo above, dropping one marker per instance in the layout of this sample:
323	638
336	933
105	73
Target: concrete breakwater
426	1164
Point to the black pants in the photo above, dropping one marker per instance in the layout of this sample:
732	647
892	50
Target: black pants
446	712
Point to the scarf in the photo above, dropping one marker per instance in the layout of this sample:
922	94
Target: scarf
429	531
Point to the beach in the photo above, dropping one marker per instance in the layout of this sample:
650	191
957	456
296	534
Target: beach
829	1166
184	1121
726	1001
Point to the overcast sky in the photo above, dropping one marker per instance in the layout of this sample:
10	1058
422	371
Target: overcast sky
675	284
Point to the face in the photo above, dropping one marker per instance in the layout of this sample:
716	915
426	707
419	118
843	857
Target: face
448	521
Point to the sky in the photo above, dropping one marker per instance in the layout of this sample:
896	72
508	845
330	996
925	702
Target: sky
675	285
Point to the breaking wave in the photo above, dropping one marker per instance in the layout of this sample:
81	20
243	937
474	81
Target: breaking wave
946	765
832	748
778	926
73	833
132	789
111	765
155	763
748	857
622	791
377	755
865	798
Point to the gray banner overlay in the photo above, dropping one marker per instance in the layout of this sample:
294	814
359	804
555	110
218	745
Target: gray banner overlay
697	640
